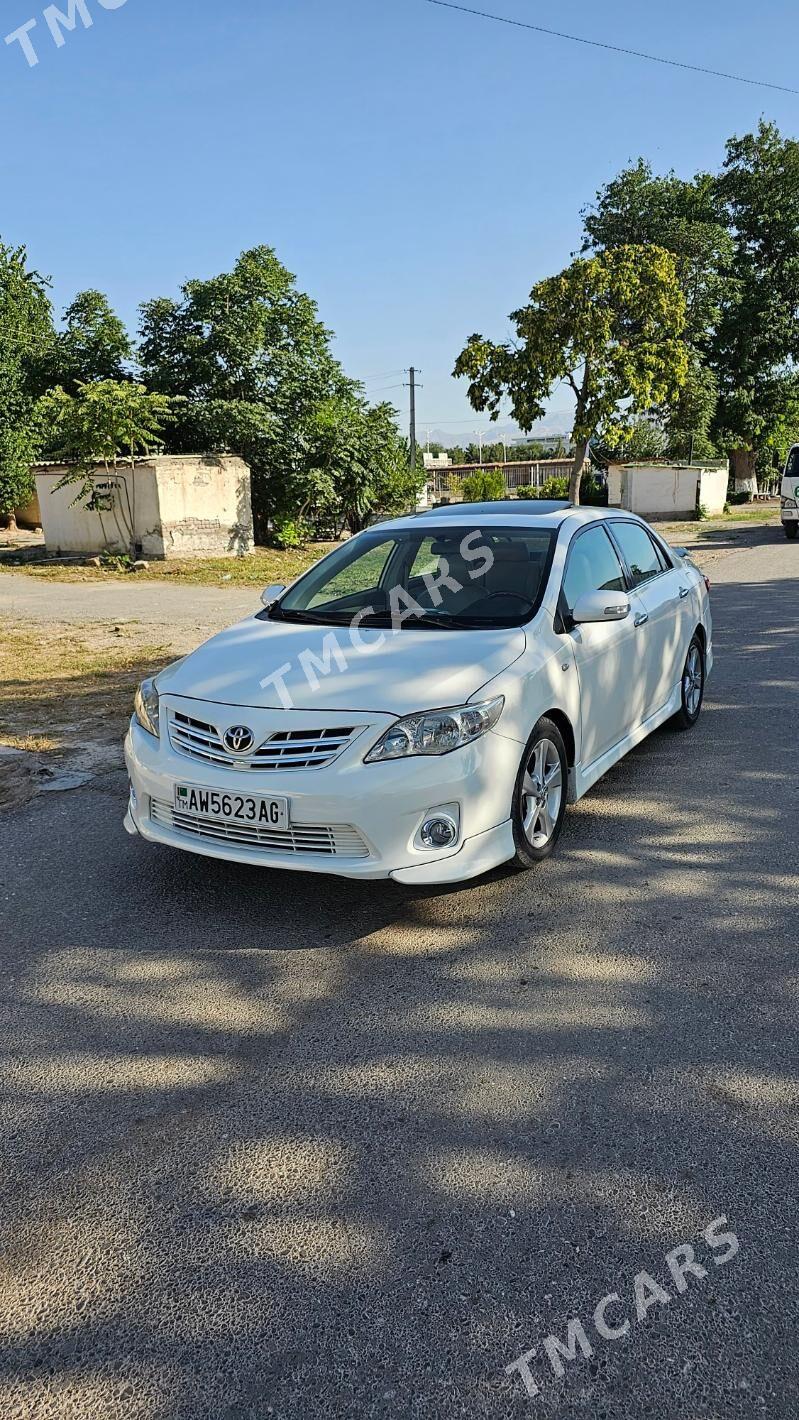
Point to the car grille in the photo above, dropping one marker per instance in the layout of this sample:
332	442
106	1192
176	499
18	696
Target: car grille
337	840
286	749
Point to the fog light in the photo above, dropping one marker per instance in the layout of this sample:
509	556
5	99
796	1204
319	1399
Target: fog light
438	832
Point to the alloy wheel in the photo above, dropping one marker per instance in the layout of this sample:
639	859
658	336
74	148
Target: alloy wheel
692	681
542	793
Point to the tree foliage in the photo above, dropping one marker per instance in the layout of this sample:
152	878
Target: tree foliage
102	423
610	326
250	363
26	333
249	368
757	340
687	219
484	486
359	462
735	236
93	344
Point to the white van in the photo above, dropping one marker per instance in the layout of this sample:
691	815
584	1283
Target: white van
789	494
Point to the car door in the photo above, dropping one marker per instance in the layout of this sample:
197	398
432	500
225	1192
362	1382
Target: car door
663	609
605	653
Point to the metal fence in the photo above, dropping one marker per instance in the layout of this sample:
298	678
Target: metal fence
516	475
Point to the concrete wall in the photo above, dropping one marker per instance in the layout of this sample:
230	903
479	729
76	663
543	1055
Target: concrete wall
189	505
713	484
666	491
28	515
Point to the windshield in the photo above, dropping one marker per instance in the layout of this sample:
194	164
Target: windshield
422	578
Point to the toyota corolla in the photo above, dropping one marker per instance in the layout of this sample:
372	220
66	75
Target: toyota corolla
424	702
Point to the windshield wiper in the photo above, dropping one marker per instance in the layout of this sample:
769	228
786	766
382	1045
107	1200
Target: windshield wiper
442	623
278	613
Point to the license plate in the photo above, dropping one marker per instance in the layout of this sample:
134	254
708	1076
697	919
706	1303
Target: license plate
257	810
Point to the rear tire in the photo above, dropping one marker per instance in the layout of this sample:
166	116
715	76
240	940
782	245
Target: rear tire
692	687
539	795
791	529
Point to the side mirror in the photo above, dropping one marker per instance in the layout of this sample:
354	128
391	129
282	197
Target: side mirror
270	595
601	606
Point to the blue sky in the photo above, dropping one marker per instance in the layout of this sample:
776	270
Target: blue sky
417	168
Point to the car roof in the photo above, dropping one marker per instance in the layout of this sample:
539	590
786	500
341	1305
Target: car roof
532	513
515	507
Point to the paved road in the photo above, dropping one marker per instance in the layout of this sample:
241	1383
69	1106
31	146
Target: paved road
281	1147
198	609
203	609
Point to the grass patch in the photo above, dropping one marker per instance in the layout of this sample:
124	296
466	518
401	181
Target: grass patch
262	567
742	514
60	689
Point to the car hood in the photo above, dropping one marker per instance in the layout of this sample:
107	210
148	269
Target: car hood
395	673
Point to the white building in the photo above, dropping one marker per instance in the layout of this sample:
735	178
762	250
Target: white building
183	505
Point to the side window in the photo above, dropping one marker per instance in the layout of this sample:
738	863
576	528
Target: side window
592	567
636	544
663	558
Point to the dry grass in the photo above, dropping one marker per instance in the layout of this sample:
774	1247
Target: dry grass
744	515
61	688
264	566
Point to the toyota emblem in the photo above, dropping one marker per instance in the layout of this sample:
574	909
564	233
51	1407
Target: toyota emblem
239	739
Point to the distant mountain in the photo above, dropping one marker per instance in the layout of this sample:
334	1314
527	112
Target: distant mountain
557	424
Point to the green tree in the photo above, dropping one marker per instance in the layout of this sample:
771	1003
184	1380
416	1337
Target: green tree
735	237
644	442
359	462
249	363
757	339
104	422
26	333
610	326
93	344
485	486
687	219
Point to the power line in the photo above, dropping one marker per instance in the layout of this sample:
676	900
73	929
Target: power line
616	48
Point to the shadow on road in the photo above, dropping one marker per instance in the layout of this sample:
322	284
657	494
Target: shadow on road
340	1149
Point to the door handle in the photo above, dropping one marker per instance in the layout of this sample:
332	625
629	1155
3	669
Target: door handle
683	593
642	618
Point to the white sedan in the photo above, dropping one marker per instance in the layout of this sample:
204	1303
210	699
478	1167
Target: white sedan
422	704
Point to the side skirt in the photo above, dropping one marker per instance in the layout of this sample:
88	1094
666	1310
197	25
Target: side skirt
582	779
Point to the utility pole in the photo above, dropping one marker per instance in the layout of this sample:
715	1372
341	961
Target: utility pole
413	372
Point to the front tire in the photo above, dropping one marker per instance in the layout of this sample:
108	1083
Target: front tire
692	687
539	796
791	529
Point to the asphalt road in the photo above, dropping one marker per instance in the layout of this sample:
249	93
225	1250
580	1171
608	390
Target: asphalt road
276	1146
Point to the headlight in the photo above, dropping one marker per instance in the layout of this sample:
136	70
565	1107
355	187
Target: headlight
145	707
437	731
789	502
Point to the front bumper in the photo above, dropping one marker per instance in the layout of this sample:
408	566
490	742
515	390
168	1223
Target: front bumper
369	813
